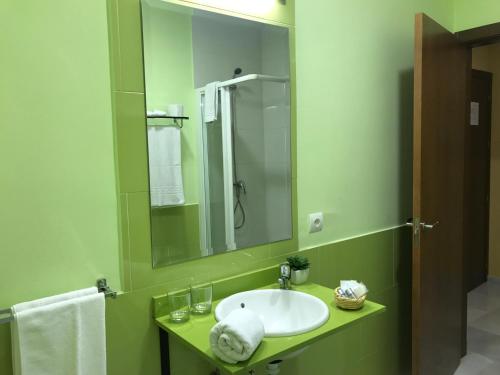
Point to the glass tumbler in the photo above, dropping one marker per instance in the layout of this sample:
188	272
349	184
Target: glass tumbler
180	305
201	298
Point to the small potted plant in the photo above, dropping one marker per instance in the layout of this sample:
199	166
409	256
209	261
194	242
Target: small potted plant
300	269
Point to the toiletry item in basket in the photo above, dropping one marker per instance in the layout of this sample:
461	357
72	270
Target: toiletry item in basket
352	289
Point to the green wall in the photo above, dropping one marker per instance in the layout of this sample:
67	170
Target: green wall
59	203
58	192
354	108
470	14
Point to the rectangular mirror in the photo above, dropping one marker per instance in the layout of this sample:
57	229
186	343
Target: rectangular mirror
218	125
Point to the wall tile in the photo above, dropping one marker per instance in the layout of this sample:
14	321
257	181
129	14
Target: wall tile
402	257
125	244
130	46
335	354
368	258
131	142
5	352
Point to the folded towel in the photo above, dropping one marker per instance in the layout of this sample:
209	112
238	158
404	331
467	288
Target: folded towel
236	337
165	169
60	335
211	102
156	112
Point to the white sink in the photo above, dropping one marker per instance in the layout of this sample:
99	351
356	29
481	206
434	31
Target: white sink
283	312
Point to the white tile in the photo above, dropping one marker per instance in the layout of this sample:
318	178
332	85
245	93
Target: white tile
489	322
473	314
482	301
489	288
493	369
484	343
473	364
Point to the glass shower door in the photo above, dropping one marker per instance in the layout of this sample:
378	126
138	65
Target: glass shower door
214	218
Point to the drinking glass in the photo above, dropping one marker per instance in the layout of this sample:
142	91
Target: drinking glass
180	305
201	298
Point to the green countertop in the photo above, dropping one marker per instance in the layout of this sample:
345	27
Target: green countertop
195	332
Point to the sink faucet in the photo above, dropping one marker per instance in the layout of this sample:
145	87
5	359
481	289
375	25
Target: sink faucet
285	273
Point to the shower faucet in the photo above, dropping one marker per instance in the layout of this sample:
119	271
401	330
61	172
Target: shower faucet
240	186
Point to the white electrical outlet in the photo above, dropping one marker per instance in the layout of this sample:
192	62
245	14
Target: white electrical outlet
315	222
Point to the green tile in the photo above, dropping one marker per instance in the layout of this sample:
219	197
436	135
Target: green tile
390	330
130	46
314	259
184	361
402	257
132	338
139	237
380	331
131	142
175	230
332	355
125	244
5	352
380	363
368	258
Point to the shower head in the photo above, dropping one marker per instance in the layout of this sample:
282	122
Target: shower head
237	72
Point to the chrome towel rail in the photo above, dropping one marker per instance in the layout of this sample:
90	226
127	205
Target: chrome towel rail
102	286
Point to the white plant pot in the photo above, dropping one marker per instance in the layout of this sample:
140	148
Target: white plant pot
300	276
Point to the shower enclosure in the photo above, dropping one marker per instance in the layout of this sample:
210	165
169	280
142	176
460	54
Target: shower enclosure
245	174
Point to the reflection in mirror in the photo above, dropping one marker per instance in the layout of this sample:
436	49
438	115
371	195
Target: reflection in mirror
218	102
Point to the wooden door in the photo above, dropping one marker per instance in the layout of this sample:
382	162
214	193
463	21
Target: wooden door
477	180
440	100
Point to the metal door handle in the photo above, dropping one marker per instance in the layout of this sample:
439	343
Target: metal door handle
424	226
428	226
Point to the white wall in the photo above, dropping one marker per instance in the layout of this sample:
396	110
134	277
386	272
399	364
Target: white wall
220	45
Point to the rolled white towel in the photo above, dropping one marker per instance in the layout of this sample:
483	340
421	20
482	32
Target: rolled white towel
236	337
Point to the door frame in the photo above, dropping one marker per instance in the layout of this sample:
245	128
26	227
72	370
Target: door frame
480	36
471	38
483	76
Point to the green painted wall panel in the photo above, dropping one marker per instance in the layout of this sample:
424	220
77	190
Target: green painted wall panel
470	14
59	226
354	113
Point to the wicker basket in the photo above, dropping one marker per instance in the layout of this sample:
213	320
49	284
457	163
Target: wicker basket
348	303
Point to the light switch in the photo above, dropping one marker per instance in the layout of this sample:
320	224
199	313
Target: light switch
315	222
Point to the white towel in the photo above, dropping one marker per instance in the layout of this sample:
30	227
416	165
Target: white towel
211	102
156	112
236	337
165	170
60	335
